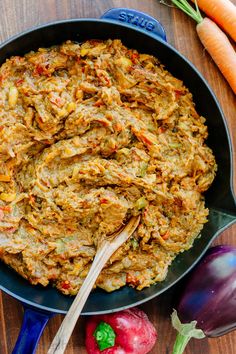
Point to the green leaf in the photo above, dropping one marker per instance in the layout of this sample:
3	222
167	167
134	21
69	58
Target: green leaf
104	335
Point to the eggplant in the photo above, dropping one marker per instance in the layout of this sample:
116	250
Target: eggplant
207	305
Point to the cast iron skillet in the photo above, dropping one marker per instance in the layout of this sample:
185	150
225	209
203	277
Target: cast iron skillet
140	31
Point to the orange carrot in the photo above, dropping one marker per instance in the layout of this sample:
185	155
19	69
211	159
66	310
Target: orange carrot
214	40
223	12
220	49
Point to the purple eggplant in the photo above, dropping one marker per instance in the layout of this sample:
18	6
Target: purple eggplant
207	306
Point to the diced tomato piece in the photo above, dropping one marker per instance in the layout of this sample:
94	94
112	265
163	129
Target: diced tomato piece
46	142
118	127
19	82
132	279
104	201
146	140
166	235
65	285
39	70
103	122
5	208
161	130
32	198
178	93
98	103
134	57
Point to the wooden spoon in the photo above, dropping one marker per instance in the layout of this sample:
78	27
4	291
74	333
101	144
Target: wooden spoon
104	251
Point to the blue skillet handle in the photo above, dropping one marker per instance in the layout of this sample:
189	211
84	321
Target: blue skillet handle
33	325
136	19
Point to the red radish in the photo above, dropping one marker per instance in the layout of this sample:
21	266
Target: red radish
124	332
223	12
214	40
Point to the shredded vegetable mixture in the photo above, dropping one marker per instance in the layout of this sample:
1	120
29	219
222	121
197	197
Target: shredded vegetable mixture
91	134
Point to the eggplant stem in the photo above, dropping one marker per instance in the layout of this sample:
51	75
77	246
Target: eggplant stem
186	331
180	343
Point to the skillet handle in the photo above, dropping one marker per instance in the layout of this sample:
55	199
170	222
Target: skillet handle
136	19
32	327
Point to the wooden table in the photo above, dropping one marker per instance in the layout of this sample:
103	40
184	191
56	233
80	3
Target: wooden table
18	15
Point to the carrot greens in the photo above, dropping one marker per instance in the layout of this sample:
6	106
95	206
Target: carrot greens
187	8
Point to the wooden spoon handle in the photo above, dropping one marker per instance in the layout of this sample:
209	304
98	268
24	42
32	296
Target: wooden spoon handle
103	254
63	335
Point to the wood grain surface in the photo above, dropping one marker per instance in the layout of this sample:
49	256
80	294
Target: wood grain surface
18	15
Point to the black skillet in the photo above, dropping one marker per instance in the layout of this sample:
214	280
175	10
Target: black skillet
140	31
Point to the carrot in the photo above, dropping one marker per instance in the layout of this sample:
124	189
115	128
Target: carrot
214	40
218	45
223	12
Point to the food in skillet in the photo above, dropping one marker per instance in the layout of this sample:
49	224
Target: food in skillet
90	135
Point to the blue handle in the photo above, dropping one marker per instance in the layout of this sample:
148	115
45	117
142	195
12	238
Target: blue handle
33	325
136	19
